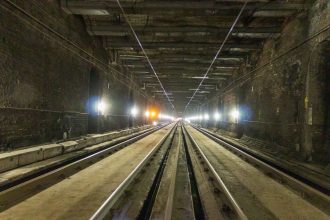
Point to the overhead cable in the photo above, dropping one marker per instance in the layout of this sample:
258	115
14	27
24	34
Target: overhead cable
217	54
144	53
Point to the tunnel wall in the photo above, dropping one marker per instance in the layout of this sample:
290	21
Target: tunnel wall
285	102
44	82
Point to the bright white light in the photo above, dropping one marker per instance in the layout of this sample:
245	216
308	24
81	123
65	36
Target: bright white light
187	120
102	107
193	118
147	113
165	117
206	116
217	116
134	111
234	114
155	123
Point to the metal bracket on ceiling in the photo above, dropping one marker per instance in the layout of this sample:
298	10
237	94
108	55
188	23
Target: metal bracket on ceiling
113	57
144	86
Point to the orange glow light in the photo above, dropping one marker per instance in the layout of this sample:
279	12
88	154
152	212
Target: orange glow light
152	113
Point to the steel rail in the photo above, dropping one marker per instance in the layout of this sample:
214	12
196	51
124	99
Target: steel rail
170	198
115	144
150	201
233	204
268	167
54	174
105	208
200	211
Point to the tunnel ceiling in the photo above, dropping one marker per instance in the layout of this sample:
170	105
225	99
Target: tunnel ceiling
181	38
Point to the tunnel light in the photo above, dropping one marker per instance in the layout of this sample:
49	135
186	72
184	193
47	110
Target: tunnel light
147	113
234	114
153	114
206	117
217	116
102	107
155	123
134	111
200	117
192	118
165	117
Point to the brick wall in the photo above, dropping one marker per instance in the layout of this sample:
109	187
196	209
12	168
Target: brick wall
275	103
44	80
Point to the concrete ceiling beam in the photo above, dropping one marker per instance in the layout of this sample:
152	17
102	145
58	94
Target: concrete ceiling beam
129	55
179	63
180	70
109	30
169	7
190	45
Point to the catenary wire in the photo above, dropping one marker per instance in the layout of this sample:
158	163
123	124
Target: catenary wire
217	54
144	53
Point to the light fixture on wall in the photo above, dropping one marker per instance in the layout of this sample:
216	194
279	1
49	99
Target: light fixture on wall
234	114
216	116
102	107
134	111
147	113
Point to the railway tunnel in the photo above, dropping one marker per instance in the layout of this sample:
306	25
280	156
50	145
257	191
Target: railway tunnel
167	109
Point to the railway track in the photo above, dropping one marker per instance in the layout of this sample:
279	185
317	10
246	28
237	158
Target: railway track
104	211
179	172
22	188
308	189
204	193
92	151
179	184
256	185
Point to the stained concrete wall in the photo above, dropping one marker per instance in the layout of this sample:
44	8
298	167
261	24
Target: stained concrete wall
44	81
286	102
